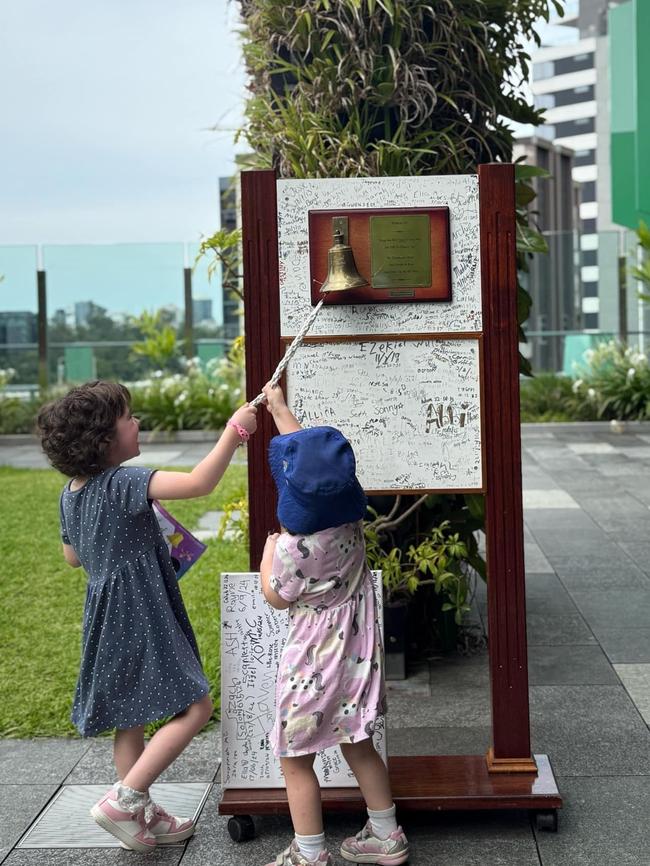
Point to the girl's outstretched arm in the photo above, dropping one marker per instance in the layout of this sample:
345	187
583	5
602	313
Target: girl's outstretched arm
273	598
208	473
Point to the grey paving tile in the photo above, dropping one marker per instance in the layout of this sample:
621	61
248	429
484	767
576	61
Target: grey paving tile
19	805
534	478
439	741
198	763
560	665
545	594
559	518
40	761
636	680
639	551
618	469
631	645
603	511
460	696
591	543
553	629
589	730
535	559
554	499
604	822
90	857
605	609
594	572
639	486
452	839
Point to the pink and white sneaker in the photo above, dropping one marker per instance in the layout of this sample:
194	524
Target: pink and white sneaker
169	829
129	824
365	847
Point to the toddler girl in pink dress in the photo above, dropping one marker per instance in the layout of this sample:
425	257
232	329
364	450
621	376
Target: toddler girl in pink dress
330	687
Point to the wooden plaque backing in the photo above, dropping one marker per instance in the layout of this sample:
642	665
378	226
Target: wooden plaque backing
320	240
509	776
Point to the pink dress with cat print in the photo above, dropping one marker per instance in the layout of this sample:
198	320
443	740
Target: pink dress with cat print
330	687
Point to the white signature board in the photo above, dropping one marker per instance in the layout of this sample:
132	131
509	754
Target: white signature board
410	408
252	637
457	192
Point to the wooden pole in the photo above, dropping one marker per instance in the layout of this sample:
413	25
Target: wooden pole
263	347
510	751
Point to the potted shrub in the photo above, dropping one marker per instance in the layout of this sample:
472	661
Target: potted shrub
439	559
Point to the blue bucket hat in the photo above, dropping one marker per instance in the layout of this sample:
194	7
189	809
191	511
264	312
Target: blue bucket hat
314	471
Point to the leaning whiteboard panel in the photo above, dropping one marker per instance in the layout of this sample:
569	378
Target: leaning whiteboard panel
410	408
252	637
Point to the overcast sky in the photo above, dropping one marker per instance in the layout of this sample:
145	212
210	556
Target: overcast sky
106	113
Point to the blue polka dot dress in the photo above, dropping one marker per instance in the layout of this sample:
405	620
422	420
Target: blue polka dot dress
139	658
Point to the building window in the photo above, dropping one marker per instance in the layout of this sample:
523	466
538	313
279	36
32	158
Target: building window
590	290
573	64
589	257
575	127
588	227
573	96
588	191
584	157
543	70
545	100
591	320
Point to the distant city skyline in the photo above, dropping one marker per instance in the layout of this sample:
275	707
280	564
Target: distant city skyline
122	278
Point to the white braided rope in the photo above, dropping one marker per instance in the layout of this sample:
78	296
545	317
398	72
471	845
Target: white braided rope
291	351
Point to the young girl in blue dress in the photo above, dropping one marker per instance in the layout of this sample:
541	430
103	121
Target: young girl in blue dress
139	661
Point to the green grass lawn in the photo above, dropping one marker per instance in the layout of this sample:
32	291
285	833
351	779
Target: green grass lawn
41	599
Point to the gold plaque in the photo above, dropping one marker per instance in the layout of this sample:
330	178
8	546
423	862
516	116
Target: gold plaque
400	252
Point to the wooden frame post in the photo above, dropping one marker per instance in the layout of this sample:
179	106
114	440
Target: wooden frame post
262	329
504	512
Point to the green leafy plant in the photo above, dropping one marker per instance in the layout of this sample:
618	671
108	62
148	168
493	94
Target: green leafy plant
439	558
549	397
222	250
160	346
615	382
641	271
234	524
203	398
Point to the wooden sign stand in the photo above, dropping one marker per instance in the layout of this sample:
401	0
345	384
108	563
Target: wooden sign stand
509	776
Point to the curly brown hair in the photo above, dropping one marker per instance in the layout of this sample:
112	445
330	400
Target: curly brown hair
77	430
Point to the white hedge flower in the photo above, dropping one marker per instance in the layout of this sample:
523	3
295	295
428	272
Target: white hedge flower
576	386
630	374
591	393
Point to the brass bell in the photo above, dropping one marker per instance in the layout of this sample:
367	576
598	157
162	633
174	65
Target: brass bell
342	271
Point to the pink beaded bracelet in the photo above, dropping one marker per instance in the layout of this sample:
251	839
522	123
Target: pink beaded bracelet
242	432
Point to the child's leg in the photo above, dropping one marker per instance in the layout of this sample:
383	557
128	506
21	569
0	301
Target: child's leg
128	745
303	793
370	772
167	744
381	840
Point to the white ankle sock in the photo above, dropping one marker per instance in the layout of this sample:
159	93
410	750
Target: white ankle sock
383	822
129	798
311	846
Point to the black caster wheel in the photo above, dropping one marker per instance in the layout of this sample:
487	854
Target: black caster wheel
547	820
241	828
